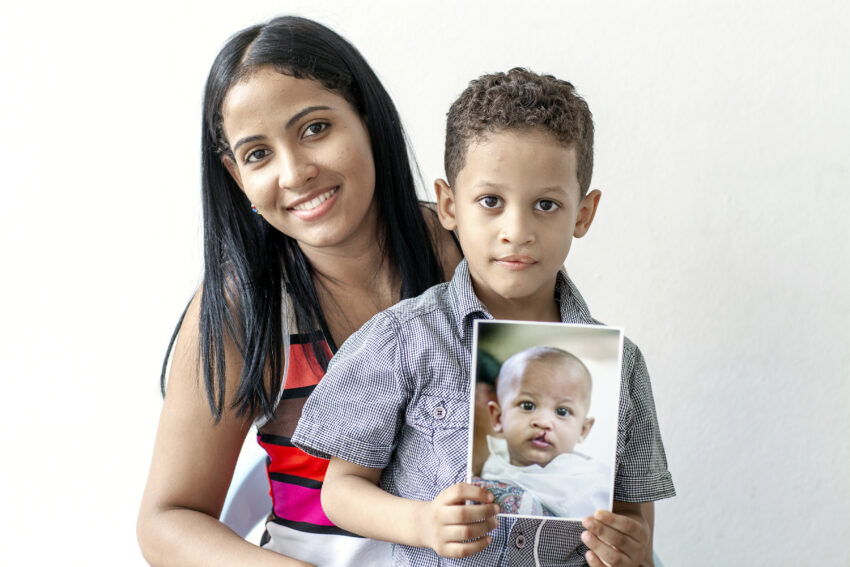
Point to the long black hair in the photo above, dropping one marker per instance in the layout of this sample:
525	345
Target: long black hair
248	264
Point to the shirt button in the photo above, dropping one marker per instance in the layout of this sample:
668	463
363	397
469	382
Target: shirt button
439	412
520	541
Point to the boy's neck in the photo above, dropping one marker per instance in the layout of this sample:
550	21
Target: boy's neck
540	306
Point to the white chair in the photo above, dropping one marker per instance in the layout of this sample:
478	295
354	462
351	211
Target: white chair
248	501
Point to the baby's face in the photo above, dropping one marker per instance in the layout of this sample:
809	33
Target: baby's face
543	413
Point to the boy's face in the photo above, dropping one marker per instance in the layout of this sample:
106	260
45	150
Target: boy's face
543	412
516	207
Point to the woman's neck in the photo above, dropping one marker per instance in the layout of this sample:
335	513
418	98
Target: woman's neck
353	283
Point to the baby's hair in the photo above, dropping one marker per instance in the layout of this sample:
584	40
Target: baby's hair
513	367
520	100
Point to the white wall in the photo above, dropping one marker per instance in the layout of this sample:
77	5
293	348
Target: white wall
721	243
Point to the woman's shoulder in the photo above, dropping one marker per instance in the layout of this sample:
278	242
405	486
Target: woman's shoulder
446	245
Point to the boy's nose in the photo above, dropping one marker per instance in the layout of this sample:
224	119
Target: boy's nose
295	171
516	228
541	422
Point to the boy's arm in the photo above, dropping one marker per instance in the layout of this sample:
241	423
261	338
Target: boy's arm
620	538
353	500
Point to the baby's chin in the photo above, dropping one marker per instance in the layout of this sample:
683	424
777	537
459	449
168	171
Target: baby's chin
529	462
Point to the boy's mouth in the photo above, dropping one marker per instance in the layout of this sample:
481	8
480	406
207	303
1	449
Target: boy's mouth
541	442
516	261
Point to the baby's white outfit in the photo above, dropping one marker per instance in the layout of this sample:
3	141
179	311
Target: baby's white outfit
571	485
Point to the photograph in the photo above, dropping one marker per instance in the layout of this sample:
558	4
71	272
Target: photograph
544	425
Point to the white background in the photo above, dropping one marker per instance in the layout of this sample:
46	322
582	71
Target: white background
721	244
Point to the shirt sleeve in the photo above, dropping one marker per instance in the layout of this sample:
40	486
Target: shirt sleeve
356	410
642	474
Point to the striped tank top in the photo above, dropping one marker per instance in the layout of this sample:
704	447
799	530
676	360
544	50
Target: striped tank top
297	526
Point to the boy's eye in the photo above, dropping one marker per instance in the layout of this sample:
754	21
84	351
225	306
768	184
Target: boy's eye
526	406
255	156
315	129
546	205
490	202
562	412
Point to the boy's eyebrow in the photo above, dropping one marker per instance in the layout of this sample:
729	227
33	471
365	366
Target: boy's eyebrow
295	118
495	185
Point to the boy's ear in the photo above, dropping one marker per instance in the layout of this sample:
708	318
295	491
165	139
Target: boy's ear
586	427
586	212
445	204
495	416
233	170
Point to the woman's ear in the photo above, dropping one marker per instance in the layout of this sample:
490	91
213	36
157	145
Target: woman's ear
445	204
586	211
233	170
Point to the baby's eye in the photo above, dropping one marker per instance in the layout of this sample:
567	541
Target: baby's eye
562	412
526	406
546	205
490	202
256	156
315	129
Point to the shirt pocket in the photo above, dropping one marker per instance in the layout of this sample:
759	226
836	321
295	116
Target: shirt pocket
439	423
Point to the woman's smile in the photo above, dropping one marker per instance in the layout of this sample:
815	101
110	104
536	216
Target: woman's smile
315	207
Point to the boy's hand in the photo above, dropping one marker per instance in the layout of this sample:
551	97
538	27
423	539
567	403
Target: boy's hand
615	540
454	528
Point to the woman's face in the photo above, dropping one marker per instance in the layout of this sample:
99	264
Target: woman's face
302	155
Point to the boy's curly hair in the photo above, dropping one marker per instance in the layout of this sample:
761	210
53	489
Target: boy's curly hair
520	100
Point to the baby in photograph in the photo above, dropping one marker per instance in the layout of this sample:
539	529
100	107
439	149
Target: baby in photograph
541	414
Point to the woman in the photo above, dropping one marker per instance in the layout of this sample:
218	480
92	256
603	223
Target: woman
311	226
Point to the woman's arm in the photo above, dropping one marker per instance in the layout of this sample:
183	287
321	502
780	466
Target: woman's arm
191	469
353	500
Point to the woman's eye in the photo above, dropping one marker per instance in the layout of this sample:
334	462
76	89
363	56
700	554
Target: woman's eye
490	202
315	129
545	205
527	406
255	156
562	412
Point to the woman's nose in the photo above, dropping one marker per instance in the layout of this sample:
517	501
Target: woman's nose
297	170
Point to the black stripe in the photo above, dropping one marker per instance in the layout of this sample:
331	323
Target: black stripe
312	528
297	480
276	440
302	392
306	338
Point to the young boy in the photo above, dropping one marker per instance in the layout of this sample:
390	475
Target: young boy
543	399
392	412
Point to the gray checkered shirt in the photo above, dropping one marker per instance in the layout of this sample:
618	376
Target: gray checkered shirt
396	397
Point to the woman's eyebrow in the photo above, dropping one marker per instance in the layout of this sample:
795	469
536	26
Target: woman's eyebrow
295	118
301	114
246	140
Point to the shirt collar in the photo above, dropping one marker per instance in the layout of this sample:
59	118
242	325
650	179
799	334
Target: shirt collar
470	308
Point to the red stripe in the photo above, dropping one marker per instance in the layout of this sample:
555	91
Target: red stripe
294	461
303	366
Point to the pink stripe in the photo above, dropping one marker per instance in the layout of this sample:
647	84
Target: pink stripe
299	504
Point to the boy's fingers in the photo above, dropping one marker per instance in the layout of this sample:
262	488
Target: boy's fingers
593	560
462	533
469	513
621	523
609	543
461	492
464	549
